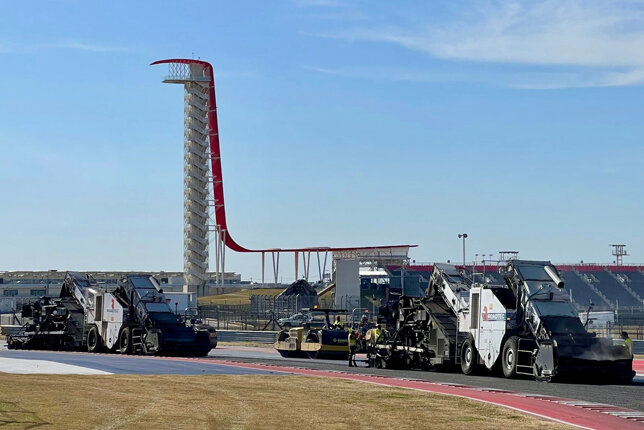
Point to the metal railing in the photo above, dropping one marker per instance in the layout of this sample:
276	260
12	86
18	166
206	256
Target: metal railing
267	337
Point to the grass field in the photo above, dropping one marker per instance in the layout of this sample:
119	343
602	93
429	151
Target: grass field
237	402
241	297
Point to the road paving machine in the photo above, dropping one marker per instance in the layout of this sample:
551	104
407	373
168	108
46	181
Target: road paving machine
526	326
314	340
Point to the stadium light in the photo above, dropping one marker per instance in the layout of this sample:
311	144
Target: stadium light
464	236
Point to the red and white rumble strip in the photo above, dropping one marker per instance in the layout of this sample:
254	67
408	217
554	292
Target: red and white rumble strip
573	412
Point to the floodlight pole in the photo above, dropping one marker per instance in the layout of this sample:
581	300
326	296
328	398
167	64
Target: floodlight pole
463	236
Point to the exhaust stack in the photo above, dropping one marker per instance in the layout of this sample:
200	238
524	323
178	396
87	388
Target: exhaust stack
553	275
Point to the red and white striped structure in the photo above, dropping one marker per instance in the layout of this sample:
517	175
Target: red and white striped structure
199	81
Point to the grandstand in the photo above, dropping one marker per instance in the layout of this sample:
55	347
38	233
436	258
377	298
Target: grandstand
606	287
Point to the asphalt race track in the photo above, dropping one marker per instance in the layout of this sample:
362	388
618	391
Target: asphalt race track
78	362
627	396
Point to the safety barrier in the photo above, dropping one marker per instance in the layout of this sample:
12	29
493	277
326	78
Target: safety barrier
638	347
246	336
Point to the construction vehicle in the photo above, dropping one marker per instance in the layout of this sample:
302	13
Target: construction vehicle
315	340
192	319
289	338
526	326
84	316
289	342
330	341
132	318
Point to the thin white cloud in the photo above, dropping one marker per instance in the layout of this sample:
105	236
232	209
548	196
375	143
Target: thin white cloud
12	47
598	43
385	74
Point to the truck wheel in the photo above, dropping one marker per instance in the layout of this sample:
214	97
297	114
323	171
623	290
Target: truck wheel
509	358
93	340
469	357
124	341
144	346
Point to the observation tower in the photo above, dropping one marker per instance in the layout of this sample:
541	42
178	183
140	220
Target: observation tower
201	145
195	78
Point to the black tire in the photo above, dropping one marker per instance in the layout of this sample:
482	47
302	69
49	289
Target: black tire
380	364
202	353
407	362
93	340
144	346
469	357
125	341
509	357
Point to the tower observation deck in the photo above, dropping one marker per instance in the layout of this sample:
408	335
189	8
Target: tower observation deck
195	77
201	144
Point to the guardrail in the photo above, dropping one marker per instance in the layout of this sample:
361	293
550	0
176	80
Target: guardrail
267	337
10	330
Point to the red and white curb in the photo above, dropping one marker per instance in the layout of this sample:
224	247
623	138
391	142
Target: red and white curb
573	412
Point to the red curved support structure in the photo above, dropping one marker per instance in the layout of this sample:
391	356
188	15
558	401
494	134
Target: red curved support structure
217	177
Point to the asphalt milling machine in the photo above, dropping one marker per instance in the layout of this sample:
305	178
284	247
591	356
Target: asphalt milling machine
526	326
132	317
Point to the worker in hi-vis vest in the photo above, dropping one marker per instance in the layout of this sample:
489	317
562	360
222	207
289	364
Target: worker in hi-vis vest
338	324
352	348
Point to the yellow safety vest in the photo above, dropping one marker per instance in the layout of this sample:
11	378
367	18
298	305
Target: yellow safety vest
352	338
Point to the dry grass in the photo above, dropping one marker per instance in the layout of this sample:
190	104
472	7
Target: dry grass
237	402
241	297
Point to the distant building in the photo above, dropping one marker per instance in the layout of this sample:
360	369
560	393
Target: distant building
17	287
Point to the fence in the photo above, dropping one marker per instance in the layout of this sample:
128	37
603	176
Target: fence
280	306
635	332
261	314
10	318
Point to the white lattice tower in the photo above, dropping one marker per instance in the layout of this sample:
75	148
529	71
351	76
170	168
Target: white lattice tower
196	173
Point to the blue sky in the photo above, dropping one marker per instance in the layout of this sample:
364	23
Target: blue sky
342	123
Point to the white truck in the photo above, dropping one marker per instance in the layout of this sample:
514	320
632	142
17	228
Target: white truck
525	326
